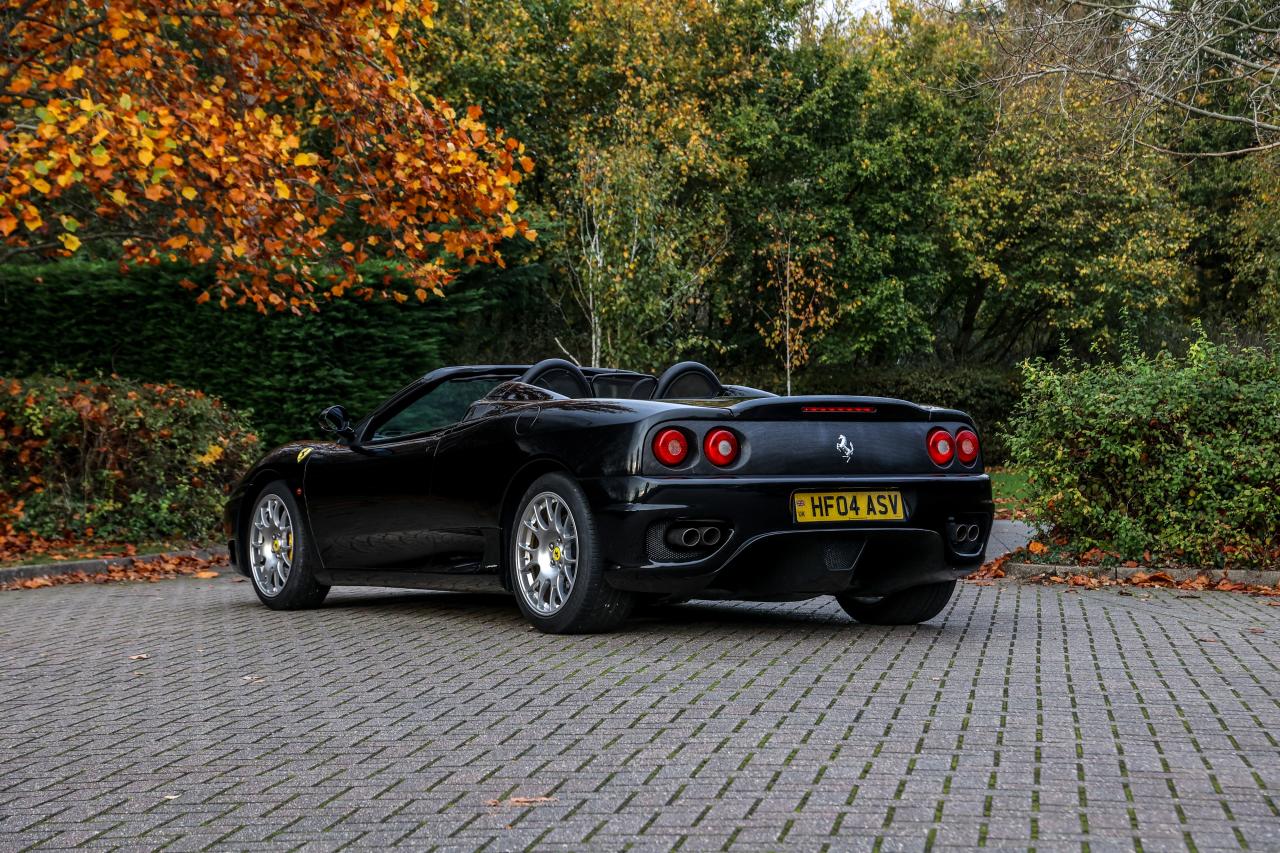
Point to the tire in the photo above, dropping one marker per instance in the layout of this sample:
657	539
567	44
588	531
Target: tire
274	556
554	526
905	607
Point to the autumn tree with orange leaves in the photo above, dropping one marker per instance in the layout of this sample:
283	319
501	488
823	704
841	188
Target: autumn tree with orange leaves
280	140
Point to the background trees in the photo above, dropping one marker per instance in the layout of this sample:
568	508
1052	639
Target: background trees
759	183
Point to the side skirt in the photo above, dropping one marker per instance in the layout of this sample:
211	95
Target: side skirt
445	581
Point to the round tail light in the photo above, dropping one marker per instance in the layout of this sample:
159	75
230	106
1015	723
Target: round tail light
967	446
671	447
721	447
942	447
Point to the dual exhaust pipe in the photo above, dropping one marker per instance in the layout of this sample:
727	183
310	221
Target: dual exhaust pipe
701	536
962	533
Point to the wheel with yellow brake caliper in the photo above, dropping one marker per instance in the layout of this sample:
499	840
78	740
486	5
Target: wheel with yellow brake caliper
275	550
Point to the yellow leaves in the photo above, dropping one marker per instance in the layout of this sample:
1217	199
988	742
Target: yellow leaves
306	159
119	33
145	157
282	189
118	196
69	241
211	454
74	73
189	193
41	185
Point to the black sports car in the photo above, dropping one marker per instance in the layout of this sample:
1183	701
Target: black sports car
585	490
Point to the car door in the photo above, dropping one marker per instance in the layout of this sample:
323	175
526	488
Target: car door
369	503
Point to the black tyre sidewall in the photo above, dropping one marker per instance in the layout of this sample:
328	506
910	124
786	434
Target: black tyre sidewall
592	604
904	607
300	589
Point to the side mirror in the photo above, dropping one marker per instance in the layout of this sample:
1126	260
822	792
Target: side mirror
336	420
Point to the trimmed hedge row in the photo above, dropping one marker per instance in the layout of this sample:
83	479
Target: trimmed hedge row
88	318
1158	458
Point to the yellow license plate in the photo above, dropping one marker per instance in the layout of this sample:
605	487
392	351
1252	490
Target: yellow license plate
848	506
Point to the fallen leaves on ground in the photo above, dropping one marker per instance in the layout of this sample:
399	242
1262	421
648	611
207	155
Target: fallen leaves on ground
154	569
17	548
1010	509
994	570
520	801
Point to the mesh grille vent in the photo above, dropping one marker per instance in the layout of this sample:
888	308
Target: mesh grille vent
658	551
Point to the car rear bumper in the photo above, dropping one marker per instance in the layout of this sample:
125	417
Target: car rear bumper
765	554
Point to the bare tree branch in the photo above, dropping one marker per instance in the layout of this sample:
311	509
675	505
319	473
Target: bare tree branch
1166	62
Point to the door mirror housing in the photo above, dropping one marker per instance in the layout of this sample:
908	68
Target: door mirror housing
335	420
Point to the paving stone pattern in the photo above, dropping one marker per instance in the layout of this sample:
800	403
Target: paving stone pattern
1022	717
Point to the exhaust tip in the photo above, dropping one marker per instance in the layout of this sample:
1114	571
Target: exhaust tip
710	536
964	533
684	537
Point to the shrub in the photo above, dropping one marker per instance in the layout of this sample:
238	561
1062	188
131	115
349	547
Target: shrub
117	459
988	394
1158	457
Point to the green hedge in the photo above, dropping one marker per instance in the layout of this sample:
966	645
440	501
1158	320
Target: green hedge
1158	458
988	394
87	318
117	459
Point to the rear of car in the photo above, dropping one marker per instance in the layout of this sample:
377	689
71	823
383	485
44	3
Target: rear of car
788	498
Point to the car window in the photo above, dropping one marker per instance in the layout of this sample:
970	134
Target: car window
442	406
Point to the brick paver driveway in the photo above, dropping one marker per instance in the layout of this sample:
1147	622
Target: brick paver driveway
1021	717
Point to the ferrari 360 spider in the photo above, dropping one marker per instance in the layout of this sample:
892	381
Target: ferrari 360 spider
583	491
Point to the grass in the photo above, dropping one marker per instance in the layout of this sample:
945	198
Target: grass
1011	490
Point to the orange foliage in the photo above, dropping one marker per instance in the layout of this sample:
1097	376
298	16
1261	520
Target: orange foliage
154	569
278	139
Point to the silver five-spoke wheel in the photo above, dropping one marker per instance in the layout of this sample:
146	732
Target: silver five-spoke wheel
271	545
546	553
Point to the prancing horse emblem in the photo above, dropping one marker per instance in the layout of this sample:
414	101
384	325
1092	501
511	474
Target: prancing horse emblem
845	448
